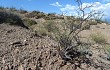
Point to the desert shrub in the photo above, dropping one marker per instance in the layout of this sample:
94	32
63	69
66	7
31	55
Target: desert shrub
99	21
40	15
51	14
29	22
35	14
1	7
98	38
46	29
92	22
86	27
22	11
51	27
10	18
40	29
50	18
32	14
107	47
47	18
29	15
12	9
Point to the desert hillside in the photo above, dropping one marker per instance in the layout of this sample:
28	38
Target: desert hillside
28	43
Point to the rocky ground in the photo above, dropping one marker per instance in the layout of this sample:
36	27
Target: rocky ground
22	49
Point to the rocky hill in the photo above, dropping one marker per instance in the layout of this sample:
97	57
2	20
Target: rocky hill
30	45
22	49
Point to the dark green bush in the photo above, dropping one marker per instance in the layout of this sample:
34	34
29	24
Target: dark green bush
86	27
22	11
1	7
10	18
51	14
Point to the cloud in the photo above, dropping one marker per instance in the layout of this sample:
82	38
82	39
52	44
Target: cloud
102	7
97	6
105	0
56	4
68	9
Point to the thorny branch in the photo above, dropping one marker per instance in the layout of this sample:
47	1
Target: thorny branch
69	42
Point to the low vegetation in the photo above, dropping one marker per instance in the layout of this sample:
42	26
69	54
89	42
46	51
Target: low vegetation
98	38
63	29
10	18
29	22
35	14
107	47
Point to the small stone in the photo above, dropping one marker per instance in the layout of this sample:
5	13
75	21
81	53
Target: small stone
20	67
68	64
83	65
7	67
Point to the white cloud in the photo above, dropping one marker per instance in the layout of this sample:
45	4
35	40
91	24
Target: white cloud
98	6
68	9
56	4
102	7
106	0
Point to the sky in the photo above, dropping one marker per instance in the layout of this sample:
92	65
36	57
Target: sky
67	7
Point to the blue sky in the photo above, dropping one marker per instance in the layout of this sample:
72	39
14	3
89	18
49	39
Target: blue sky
56	6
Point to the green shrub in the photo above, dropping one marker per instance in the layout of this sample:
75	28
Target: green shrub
92	22
51	14
1	7
22	11
10	18
32	14
35	14
86	27
51	27
40	29
29	22
98	38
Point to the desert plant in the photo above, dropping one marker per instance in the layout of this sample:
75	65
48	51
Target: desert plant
40	29
12	9
11	18
107	47
29	22
51	14
98	38
22	11
35	14
51	27
69	39
1	7
92	22
86	27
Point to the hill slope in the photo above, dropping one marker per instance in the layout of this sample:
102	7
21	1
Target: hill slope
21	49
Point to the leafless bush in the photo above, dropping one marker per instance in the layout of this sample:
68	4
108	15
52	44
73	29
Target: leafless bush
69	40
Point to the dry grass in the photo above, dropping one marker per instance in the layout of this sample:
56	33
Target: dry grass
98	38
